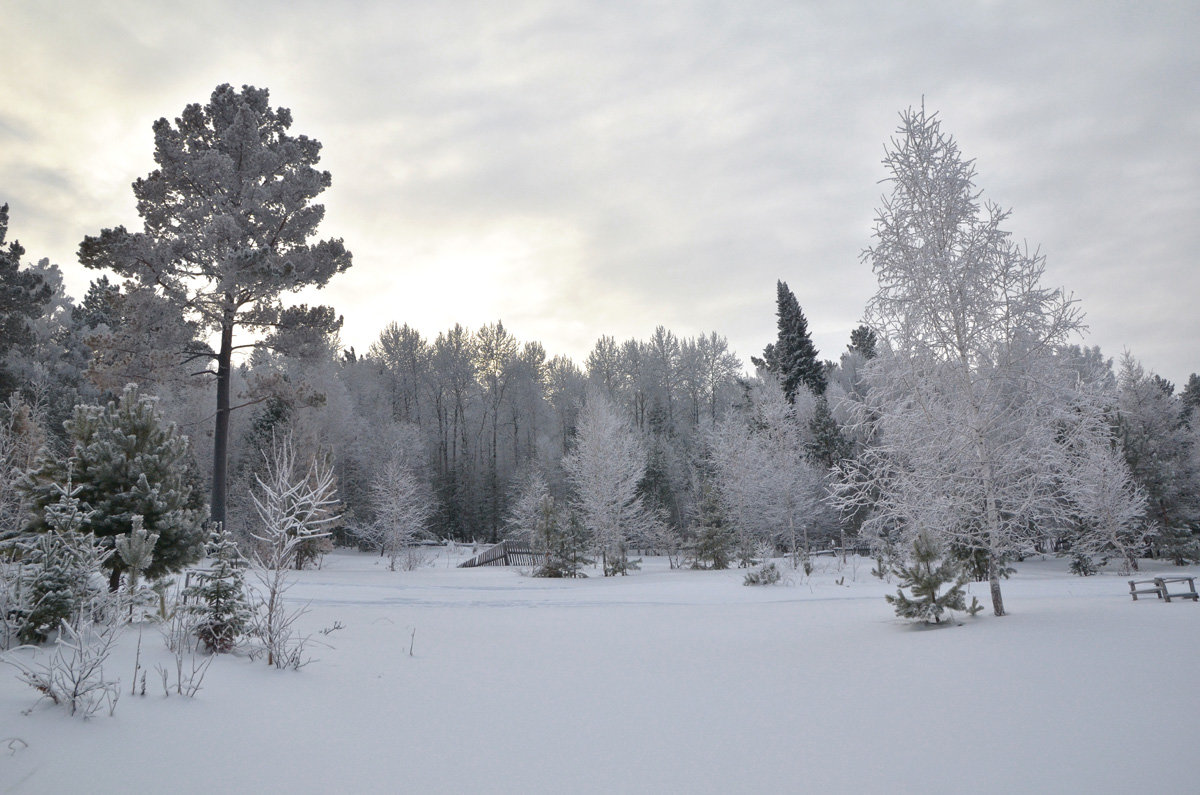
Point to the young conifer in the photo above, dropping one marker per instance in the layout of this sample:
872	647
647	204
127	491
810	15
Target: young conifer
925	576
220	601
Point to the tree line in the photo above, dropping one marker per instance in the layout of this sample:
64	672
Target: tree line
964	412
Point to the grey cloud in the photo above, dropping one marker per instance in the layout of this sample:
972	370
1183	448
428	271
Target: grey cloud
696	152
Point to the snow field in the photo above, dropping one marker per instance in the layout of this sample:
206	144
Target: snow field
663	681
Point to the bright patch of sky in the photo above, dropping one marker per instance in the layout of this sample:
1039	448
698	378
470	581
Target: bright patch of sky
604	167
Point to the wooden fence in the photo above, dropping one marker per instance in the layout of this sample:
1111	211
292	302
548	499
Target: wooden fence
506	553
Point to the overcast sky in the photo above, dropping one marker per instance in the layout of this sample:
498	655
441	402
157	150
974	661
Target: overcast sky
578	169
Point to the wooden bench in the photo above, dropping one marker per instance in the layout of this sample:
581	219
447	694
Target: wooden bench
1190	593
1139	586
1159	586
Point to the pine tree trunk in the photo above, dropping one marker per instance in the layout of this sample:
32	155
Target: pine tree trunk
221	431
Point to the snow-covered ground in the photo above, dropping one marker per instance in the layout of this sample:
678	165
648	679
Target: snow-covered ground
663	681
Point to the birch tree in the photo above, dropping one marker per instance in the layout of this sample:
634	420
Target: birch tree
604	469
765	484
402	508
965	399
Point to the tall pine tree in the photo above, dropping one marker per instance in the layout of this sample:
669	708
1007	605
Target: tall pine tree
228	216
792	357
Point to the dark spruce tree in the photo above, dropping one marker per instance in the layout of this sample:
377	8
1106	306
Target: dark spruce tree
792	357
1190	397
218	599
864	341
713	541
22	296
227	216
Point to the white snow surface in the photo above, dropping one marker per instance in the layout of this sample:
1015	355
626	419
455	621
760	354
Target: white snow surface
663	681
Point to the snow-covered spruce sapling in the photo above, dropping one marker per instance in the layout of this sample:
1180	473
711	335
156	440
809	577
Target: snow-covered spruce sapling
218	599
925	576
57	576
561	542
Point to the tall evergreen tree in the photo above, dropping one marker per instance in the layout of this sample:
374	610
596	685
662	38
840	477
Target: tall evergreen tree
792	356
22	295
227	218
1190	397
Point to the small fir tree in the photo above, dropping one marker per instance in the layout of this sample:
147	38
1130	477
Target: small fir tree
562	544
58	570
220	603
925	576
713	543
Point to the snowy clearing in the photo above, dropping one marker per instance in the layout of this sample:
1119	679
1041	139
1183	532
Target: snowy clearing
663	681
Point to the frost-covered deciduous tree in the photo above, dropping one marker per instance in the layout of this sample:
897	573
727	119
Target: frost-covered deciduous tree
767	487
20	439
966	400
296	506
525	509
1107	507
1159	447
604	470
402	507
227	216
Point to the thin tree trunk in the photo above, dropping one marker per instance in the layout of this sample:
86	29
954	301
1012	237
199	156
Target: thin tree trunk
994	582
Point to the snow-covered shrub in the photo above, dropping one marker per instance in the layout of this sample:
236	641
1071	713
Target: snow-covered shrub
180	633
766	574
73	675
